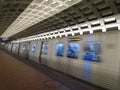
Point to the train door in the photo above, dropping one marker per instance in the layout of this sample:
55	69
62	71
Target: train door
33	51
19	48
11	46
43	53
25	50
16	48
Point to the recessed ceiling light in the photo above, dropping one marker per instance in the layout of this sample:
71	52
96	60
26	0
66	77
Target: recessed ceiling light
32	4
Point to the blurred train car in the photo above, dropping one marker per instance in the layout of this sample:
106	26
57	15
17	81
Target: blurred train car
94	58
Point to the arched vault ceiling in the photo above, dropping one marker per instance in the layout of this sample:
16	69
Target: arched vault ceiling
10	10
86	10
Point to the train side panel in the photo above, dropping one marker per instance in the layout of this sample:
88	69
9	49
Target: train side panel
106	73
103	73
64	64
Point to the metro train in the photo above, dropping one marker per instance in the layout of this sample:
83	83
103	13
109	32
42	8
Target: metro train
94	58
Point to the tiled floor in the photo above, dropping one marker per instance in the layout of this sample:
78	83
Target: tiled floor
15	75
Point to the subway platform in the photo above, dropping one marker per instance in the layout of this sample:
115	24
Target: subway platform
17	73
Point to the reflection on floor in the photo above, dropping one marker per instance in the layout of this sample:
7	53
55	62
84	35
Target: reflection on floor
15	75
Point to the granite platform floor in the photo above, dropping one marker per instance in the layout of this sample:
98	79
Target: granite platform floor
16	75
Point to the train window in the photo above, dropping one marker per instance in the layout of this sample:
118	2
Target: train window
33	49
91	51
59	49
14	47
72	50
44	48
24	47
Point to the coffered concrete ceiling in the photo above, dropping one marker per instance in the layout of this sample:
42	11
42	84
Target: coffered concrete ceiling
49	15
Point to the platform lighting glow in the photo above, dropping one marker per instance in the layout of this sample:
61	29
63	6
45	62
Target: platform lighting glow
37	11
109	19
91	31
64	31
103	29
83	25
95	22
